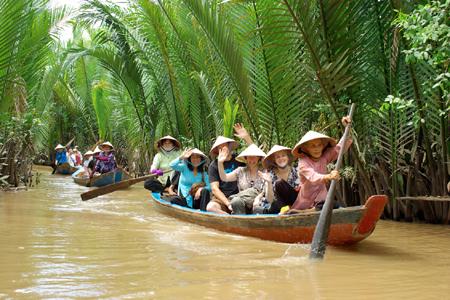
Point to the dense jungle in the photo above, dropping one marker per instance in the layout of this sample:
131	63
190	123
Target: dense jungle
130	72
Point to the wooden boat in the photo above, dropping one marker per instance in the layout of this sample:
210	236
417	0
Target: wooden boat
348	226
65	169
108	178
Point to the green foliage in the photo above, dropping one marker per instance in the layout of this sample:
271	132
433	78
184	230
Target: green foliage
102	109
136	72
427	31
16	147
229	117
397	134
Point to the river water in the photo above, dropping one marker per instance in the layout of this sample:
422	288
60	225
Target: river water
54	246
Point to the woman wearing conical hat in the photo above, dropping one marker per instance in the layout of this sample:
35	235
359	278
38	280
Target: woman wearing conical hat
93	161
61	155
252	183
87	157
284	177
83	170
106	161
168	150
315	151
192	165
222	190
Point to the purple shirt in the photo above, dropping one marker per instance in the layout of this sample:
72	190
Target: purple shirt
105	163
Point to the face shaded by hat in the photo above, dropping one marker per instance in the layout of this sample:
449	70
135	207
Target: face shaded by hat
106	146
221	140
197	152
269	160
174	141
251	150
310	136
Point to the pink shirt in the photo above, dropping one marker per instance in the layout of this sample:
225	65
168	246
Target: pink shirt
312	172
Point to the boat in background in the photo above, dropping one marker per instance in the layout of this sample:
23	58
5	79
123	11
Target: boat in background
104	179
349	225
65	169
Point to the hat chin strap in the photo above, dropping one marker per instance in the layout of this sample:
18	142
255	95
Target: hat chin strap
165	150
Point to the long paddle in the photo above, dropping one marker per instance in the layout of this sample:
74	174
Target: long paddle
70	142
319	242
115	186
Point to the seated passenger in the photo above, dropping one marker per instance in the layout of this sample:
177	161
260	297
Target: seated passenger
252	183
87	157
83	170
285	180
93	162
316	151
220	189
71	158
78	156
192	167
106	162
168	150
61	155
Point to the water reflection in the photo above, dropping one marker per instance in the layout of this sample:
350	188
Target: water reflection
56	246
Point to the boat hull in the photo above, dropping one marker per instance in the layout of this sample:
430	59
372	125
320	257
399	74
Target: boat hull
104	179
65	169
348	226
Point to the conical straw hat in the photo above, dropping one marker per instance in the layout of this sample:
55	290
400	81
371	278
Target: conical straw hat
220	141
89	152
106	144
309	136
168	137
251	150
59	146
97	150
268	161
196	151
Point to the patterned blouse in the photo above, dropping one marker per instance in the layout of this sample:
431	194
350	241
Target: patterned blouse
105	163
244	181
293	179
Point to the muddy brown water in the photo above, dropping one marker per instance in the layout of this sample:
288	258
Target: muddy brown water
54	246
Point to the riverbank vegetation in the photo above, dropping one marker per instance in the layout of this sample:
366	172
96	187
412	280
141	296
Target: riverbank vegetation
132	73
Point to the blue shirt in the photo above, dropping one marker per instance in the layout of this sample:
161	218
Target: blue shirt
61	157
187	179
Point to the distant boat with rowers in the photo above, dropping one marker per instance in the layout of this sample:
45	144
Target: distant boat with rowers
349	225
104	179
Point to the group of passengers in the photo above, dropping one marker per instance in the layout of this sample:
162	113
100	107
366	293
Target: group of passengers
92	163
252	182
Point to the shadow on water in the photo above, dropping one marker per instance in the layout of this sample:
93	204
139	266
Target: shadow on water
377	249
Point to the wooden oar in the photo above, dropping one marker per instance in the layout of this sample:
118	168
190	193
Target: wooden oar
319	243
70	142
115	186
